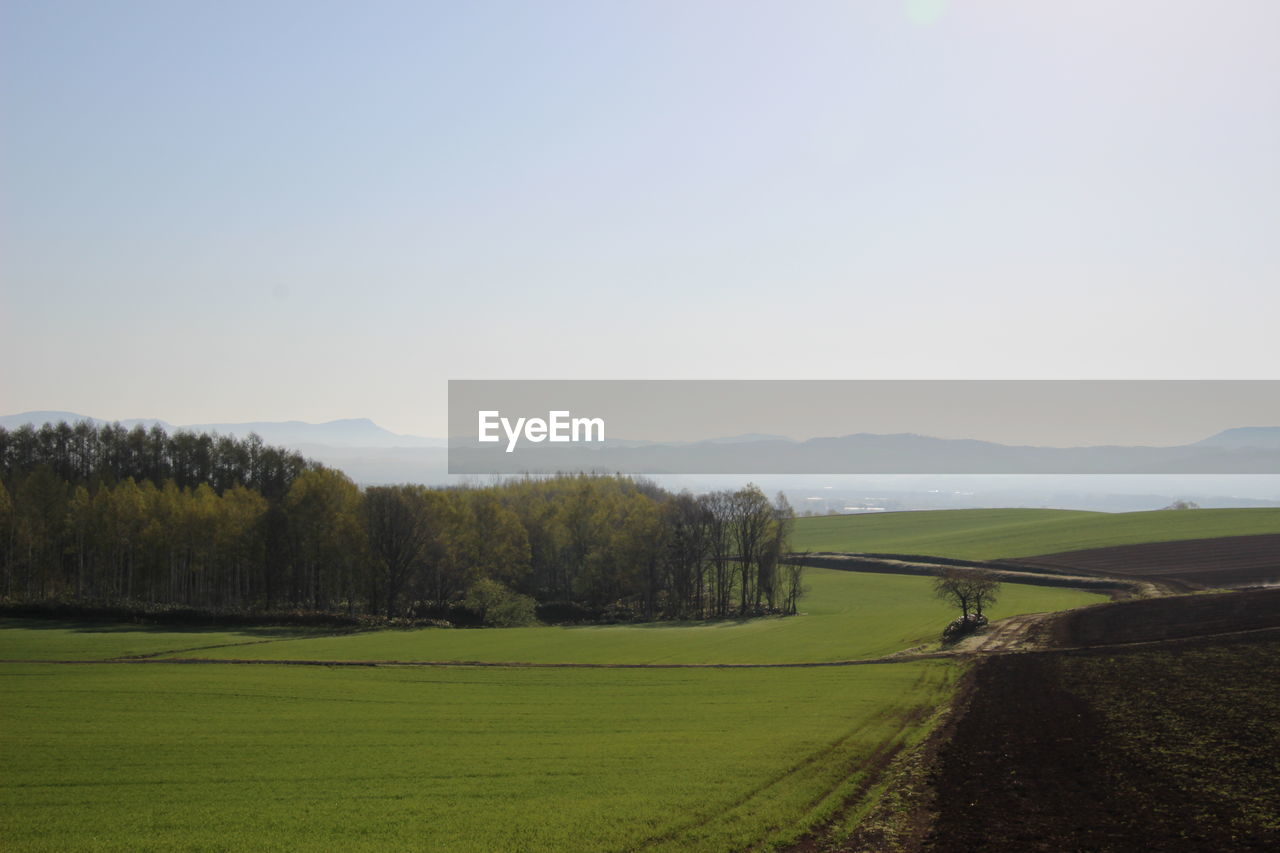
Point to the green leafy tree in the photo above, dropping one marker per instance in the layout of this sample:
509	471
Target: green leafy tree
399	525
323	509
496	604
6	537
42	513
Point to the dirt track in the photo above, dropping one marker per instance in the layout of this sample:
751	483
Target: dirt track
1008	572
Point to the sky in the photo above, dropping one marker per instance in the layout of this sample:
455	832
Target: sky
272	210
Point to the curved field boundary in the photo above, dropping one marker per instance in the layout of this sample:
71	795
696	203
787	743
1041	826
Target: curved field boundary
1008	572
988	534
898	658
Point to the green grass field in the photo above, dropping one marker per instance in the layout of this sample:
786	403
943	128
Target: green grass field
226	757
222	756
113	756
846	616
986	534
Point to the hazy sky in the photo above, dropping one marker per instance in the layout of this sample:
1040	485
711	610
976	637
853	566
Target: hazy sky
271	210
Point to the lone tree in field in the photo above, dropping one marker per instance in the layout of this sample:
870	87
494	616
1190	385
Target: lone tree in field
984	590
950	586
972	590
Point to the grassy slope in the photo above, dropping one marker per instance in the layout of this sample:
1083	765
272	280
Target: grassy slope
846	616
112	757
984	534
221	757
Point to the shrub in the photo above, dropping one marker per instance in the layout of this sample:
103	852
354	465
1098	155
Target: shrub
514	611
499	605
963	627
567	613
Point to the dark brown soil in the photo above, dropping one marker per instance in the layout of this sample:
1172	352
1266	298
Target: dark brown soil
1166	747
1218	562
1023	769
1173	617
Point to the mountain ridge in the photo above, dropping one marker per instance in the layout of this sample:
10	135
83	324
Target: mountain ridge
1240	437
343	432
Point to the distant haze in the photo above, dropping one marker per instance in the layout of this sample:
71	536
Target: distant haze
350	432
370	464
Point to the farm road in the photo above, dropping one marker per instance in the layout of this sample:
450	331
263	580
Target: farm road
1006	572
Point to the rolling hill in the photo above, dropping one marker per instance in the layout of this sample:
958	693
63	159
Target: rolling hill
988	534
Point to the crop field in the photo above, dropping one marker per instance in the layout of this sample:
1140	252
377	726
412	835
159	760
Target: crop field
1146	748
1166	618
218	756
989	534
1223	561
123	756
102	754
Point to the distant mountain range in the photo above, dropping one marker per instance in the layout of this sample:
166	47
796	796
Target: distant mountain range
1253	451
371	454
348	432
1241	437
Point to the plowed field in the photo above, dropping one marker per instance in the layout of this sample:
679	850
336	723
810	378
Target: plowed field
1166	736
1176	617
1192	563
1150	748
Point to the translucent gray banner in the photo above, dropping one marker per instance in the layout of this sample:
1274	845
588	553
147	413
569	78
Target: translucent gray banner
865	426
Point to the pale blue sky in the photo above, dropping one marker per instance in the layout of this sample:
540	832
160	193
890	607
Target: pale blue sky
263	211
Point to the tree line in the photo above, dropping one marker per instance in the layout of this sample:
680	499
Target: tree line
86	454
106	514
